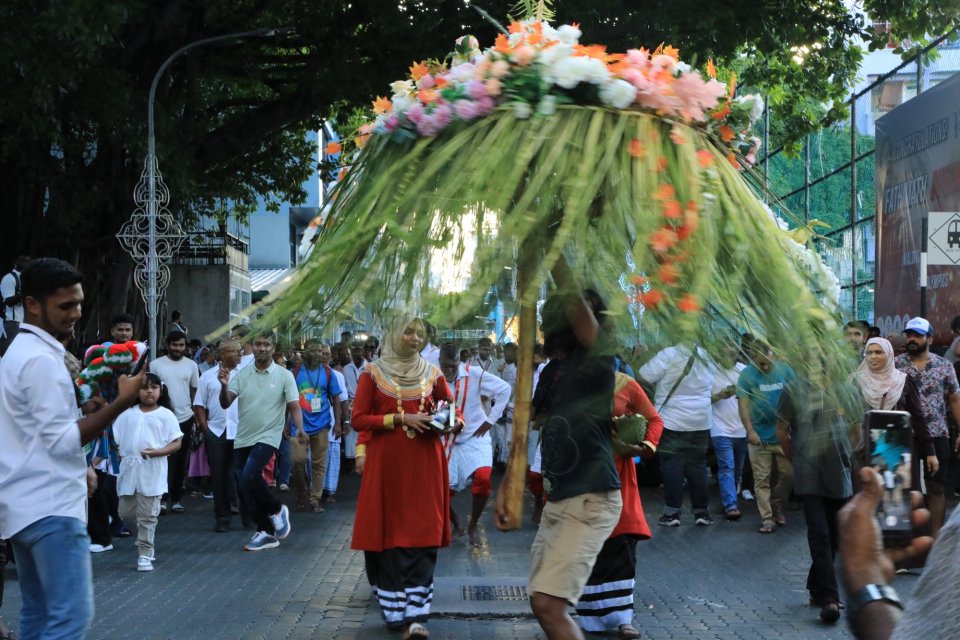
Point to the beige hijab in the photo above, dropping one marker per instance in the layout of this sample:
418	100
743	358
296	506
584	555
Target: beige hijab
881	389
401	370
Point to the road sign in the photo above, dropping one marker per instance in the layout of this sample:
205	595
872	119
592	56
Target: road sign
943	247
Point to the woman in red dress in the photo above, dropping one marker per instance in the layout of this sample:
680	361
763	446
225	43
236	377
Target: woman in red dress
404	500
607	600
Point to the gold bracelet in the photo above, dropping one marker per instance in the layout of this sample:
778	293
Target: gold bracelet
361	450
388	421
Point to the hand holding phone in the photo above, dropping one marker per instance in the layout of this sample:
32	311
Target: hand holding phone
889	442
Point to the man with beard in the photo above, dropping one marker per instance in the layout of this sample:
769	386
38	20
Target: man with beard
43	471
181	377
936	381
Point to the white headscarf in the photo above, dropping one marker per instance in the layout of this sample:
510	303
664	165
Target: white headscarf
881	389
405	370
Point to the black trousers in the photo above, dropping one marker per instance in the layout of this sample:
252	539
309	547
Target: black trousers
98	511
177	463
223	477
823	539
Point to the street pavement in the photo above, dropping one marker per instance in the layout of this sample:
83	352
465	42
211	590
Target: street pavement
720	582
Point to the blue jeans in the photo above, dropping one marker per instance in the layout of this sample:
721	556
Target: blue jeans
56	579
256	500
731	453
683	455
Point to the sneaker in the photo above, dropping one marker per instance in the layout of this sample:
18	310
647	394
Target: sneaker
207	496
747	495
281	522
672	520
100	548
163	508
284	488
177	508
703	519
144	563
261	540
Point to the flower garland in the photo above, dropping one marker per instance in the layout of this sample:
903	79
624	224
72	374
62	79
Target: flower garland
535	68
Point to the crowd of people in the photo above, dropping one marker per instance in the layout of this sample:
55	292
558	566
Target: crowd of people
242	422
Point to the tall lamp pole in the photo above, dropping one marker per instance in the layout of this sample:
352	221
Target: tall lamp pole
151	220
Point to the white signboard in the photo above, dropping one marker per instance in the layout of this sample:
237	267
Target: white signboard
943	244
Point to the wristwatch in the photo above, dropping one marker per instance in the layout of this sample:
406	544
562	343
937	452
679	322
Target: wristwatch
868	594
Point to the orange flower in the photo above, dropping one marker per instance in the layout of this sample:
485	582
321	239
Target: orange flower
502	44
639	280
426	96
440	82
683	232
362	140
726	133
332	148
515	27
689	303
651	299
668	274
732	85
711	69
691	207
382	105
665	192
637	148
419	70
721	113
732	159
671	209
705	158
597	51
661	164
673	52
663	239
536	37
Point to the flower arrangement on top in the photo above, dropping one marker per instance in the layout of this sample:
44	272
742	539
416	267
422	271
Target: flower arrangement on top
536	68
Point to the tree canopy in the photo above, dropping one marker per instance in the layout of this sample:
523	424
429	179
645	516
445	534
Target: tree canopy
231	118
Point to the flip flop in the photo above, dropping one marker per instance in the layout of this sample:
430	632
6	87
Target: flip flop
733	514
628	631
416	630
766	527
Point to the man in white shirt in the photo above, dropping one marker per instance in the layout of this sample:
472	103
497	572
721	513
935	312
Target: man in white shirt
240	332
43	470
484	358
726	429
471	455
351	375
219	427
180	376
431	352
503	431
11	302
683	379
335	436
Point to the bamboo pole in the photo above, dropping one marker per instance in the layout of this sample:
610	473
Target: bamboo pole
516	476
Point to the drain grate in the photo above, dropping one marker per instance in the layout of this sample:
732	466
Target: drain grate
488	592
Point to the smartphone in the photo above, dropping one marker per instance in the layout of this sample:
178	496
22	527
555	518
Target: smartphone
889	443
140	365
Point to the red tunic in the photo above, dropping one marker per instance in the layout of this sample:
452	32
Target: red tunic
630	399
404	494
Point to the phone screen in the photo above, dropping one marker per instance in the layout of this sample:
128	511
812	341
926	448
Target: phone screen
891	455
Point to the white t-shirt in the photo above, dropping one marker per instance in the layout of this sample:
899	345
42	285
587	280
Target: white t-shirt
343	397
135	431
208	397
726	416
179	376
472	385
8	289
688	408
431	353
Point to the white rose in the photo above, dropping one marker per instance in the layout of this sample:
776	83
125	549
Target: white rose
571	71
554	54
401	87
618	94
521	110
753	102
402	103
568	34
682	67
547	106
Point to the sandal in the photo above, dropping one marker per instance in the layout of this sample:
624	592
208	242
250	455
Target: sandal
628	631
781	521
766	527
416	630
315	506
733	514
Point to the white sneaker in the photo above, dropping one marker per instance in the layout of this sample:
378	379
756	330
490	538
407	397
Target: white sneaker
747	495
99	548
144	563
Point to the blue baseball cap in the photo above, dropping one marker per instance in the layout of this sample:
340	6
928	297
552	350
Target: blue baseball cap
919	325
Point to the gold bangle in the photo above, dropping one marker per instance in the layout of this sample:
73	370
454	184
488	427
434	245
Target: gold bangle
361	450
388	421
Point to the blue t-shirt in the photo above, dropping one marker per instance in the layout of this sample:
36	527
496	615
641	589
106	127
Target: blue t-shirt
764	391
313	384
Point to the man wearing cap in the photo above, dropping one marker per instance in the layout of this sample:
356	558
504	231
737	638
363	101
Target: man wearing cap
936	381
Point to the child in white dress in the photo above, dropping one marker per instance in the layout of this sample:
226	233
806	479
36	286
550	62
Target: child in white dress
146	434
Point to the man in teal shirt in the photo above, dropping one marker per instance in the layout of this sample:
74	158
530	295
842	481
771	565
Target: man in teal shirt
758	395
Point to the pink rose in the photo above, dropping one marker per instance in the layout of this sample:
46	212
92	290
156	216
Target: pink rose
465	109
524	54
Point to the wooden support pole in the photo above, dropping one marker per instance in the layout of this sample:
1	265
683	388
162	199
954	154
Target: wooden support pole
516	476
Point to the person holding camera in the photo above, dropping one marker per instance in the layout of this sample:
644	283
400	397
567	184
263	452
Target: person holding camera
401	517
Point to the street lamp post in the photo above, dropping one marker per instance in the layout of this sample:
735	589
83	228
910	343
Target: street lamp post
151	195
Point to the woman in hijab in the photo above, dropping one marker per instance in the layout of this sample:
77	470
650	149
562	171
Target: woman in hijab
404	498
886	388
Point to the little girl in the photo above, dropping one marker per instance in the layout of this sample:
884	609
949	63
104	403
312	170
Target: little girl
146	434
